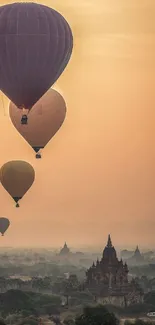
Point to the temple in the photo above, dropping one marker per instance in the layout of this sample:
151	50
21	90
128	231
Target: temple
136	258
108	280
65	250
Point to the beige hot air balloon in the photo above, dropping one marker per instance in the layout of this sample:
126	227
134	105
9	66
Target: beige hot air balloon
17	177
4	225
45	119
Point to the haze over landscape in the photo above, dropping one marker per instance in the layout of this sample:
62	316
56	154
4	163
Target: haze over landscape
97	175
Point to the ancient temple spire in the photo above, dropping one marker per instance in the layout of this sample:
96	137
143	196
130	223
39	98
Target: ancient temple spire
64	250
137	251
109	242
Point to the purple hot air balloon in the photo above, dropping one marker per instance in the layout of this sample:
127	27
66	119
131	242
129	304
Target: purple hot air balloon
35	46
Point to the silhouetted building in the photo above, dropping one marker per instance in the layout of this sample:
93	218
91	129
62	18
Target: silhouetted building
65	250
137	257
108	280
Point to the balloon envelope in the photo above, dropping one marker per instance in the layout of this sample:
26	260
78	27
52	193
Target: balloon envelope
35	46
17	177
4	225
45	119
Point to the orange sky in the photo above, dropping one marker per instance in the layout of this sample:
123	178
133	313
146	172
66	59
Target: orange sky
98	174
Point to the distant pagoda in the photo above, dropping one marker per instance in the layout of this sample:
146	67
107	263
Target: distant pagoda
137	257
65	250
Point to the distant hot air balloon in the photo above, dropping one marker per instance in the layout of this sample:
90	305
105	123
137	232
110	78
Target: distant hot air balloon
45	120
17	177
35	47
4	225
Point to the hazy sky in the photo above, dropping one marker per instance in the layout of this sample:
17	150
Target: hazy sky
97	176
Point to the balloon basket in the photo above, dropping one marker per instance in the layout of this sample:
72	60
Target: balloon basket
17	205
38	156
24	120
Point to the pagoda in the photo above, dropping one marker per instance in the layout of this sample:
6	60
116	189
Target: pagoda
65	250
107	279
137	258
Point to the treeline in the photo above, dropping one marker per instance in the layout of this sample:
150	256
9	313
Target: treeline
19	308
41	269
100	315
46	284
143	270
28	303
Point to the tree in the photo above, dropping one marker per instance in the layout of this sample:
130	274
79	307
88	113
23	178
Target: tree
56	320
44	299
26	313
85	296
51	309
69	321
27	303
13	318
14	301
149	298
31	320
73	281
96	316
138	309
2	321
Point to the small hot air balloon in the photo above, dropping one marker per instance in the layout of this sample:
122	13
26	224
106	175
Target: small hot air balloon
35	47
17	177
4	225
45	120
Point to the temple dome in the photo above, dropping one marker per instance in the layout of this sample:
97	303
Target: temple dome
109	252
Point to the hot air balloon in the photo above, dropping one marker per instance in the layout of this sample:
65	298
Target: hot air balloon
35	47
17	177
4	225
45	120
